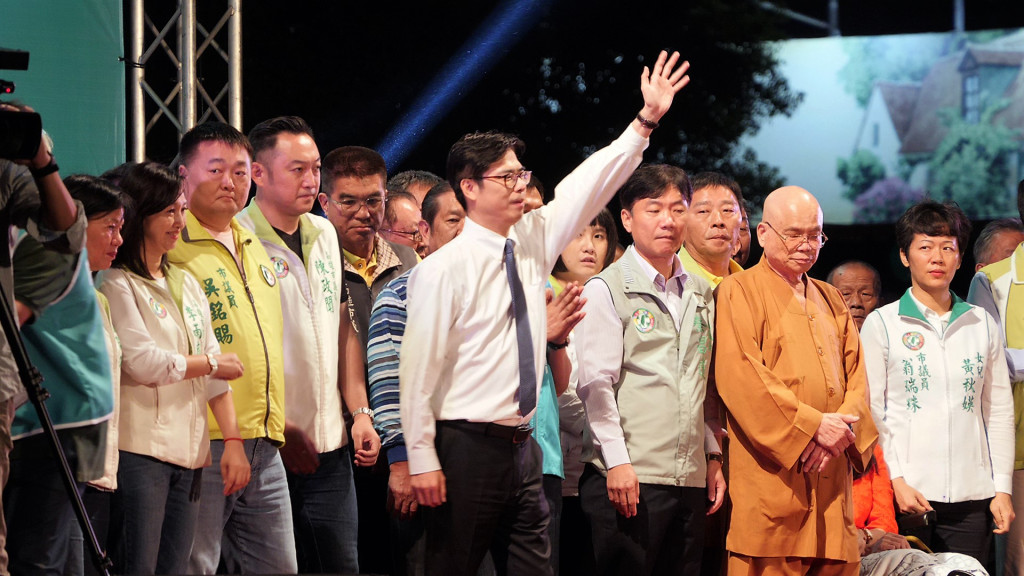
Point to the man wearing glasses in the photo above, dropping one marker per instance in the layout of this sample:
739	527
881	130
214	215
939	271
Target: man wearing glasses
402	221
475	342
790	370
352	197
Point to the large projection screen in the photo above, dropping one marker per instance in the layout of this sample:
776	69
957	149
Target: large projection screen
886	120
75	79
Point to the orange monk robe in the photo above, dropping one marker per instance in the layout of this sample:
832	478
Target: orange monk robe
779	367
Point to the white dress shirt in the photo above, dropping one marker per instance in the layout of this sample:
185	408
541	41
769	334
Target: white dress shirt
460	356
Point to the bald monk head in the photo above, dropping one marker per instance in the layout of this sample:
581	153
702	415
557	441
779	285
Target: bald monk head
790	232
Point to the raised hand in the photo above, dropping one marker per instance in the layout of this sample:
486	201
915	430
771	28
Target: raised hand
660	85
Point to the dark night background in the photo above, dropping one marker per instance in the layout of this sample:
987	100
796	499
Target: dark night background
563	75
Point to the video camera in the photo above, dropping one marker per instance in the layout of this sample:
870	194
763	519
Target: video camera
19	131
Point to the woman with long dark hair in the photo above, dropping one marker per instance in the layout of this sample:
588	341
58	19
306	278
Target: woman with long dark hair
172	368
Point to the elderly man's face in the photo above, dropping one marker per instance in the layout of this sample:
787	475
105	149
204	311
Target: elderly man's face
792	242
1001	247
405	229
857	285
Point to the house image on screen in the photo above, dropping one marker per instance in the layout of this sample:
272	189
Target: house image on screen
903	124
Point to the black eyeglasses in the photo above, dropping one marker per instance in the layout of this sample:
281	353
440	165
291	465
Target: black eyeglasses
510	180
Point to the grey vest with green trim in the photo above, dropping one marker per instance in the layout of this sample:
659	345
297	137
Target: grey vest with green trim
661	386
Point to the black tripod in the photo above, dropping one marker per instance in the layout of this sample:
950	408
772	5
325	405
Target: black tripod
31	379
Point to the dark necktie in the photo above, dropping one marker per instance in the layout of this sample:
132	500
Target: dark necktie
527	371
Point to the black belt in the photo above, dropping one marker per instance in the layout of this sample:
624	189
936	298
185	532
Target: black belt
513	434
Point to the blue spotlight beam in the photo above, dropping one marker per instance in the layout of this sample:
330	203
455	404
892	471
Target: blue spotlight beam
502	29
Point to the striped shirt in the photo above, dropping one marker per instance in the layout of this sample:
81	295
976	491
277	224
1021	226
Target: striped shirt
387	326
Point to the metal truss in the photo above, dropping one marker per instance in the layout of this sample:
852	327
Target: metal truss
190	99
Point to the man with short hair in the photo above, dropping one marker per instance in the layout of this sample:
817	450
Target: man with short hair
997	241
476	314
790	369
306	256
402	220
252	528
711	228
999	289
443	218
415	182
645	352
353	199
860	285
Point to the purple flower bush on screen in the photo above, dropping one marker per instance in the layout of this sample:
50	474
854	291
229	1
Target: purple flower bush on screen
885	201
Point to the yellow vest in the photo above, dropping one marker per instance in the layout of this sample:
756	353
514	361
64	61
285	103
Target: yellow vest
245	309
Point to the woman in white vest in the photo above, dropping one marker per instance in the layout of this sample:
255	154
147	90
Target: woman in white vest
171	369
940	392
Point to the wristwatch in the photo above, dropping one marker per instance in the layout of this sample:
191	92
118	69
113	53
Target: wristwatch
364	410
213	363
716	456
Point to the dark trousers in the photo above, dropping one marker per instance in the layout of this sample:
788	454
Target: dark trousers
665	537
40	518
553	494
324	516
495	502
575	548
964	527
371	497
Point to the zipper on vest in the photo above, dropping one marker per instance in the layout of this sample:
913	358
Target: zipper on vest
259	326
255	314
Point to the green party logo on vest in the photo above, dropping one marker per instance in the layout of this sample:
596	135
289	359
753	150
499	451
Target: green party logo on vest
913	340
643	320
268	276
280	266
158	308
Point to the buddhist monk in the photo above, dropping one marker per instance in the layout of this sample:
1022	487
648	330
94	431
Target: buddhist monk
791	373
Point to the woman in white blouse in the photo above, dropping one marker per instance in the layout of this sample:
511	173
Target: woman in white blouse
171	369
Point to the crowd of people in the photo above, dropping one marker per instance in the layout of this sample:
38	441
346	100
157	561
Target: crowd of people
342	372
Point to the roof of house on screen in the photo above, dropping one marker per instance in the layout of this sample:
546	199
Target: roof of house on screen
943	88
900	99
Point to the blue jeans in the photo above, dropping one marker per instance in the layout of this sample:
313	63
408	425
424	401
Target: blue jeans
156	518
325	516
251	528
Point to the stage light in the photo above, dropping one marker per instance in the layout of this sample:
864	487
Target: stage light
502	29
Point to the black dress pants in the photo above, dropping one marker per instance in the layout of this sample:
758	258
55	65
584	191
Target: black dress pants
665	537
495	502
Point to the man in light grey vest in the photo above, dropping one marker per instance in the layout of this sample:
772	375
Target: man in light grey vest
645	350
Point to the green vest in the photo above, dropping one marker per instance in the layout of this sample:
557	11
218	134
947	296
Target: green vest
663	379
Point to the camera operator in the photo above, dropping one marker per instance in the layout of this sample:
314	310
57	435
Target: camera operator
32	197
